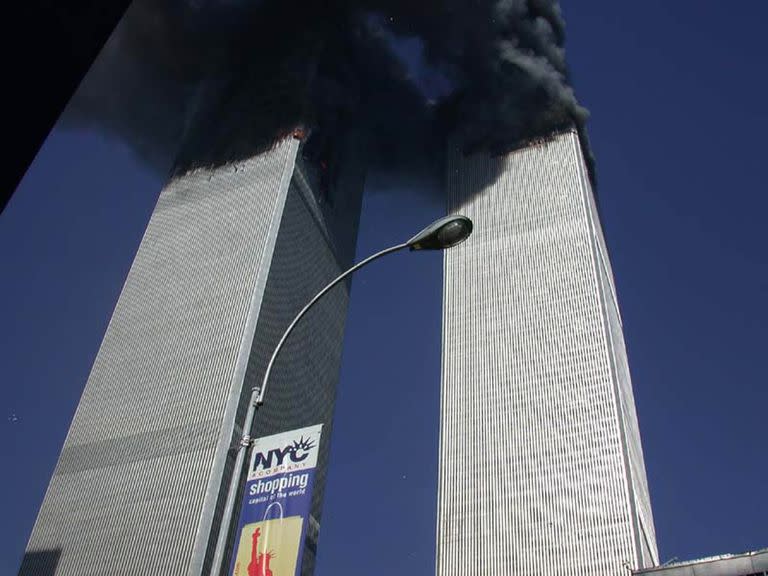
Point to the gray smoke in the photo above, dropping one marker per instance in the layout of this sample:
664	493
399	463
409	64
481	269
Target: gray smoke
208	83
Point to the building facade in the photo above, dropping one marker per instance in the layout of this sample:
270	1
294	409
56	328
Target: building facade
229	256
541	469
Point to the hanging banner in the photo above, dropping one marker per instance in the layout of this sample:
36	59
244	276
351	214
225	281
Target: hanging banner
276	504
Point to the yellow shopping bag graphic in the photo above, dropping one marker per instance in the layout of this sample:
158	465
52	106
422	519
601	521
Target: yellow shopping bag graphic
269	547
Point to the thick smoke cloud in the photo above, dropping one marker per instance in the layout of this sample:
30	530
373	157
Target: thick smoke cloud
209	83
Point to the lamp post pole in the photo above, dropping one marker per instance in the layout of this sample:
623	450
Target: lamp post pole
443	233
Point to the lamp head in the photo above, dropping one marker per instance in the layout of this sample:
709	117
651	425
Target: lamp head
443	233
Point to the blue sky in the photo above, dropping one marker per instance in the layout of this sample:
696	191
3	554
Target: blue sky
678	127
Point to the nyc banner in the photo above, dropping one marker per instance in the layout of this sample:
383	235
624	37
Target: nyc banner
276	504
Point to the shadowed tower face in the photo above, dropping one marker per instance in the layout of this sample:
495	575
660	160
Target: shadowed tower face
541	468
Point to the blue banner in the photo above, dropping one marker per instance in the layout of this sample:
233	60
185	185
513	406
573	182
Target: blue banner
276	504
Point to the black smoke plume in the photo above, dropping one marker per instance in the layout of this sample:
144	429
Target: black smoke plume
209	83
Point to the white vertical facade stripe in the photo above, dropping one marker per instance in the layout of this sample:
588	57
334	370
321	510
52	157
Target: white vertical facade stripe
540	461
202	536
638	482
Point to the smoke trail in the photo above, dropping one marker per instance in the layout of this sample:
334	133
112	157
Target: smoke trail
147	79
225	79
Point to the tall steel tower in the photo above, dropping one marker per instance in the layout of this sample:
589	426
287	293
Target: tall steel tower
229	256
541	467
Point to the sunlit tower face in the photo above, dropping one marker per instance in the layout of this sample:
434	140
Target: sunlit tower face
541	468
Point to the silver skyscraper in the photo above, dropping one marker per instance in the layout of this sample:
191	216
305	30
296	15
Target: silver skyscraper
541	468
229	256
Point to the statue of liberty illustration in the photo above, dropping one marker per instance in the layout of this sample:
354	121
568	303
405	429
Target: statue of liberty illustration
259	565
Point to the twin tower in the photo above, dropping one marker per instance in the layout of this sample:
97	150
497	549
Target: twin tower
541	469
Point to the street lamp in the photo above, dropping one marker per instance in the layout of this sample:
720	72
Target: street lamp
441	234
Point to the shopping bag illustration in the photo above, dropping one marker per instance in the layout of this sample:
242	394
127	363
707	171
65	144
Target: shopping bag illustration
269	547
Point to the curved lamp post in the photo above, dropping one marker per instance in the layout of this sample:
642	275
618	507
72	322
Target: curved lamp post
443	233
